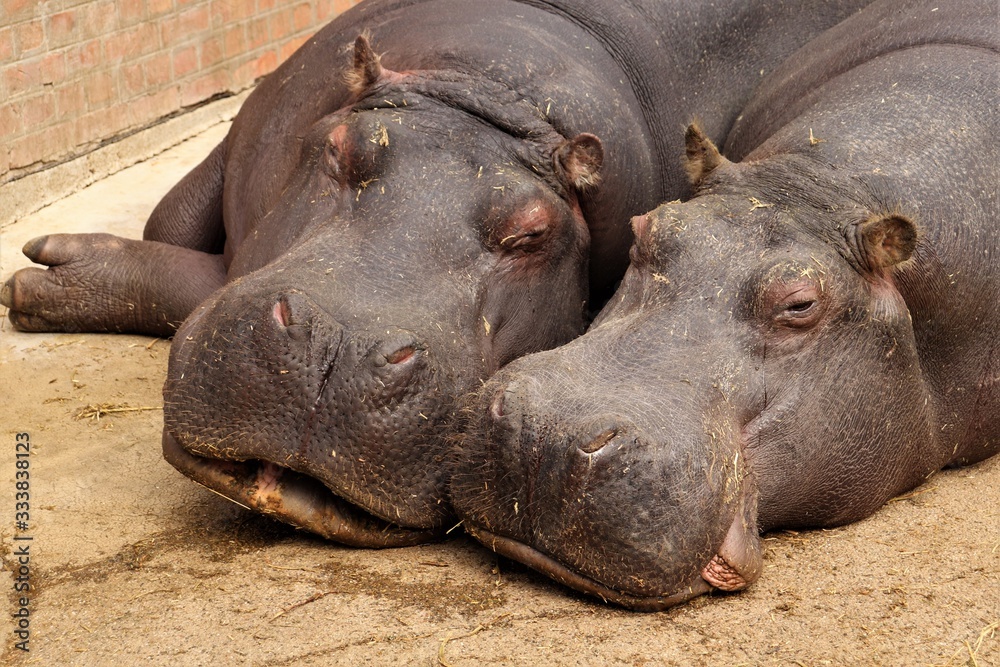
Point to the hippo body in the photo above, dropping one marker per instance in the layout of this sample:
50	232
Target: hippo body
811	334
377	234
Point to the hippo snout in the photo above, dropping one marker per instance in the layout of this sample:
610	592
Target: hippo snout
346	409
551	479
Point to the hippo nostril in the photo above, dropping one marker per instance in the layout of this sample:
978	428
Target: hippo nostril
294	314
401	355
282	312
599	441
399	351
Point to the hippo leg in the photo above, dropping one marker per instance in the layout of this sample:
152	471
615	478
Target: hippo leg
100	282
190	215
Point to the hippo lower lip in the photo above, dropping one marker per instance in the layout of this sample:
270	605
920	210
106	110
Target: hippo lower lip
291	497
537	560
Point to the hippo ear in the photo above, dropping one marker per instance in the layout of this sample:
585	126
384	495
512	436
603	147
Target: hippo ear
884	241
580	160
702	155
367	68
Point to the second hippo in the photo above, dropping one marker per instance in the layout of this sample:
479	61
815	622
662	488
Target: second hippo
810	335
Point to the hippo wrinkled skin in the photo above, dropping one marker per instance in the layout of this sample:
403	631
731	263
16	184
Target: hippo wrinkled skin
813	333
376	235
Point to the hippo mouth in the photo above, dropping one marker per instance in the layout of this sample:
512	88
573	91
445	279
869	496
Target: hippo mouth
292	497
550	567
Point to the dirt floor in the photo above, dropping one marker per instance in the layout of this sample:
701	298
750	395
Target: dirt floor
131	563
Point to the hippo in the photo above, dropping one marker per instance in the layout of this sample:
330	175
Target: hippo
811	334
378	234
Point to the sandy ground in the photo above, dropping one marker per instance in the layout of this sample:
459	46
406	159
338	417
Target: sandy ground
131	563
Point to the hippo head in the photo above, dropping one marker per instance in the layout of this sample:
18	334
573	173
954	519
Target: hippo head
757	336
423	241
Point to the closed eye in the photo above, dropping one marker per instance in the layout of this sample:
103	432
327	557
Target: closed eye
801	307
523	240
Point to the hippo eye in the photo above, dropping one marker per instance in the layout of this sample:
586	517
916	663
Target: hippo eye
334	152
801	308
527	240
801	311
331	161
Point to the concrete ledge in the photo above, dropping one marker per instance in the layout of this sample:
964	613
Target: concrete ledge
35	191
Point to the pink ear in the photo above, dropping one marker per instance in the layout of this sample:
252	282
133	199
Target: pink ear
702	155
886	240
580	159
367	68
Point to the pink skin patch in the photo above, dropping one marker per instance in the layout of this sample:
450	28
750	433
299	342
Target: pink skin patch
722	575
401	355
268	476
640	226
281	313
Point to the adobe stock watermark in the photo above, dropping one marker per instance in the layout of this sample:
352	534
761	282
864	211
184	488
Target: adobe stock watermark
21	553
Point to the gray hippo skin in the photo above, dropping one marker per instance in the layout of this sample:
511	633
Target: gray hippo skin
810	335
375	236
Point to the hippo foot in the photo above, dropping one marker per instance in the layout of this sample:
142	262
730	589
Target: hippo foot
103	283
292	497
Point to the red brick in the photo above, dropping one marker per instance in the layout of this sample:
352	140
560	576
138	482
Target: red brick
159	7
303	16
185	61
132	42
327	9
265	6
30	39
45	145
265	64
17	10
194	21
103	124
62	29
281	25
257	34
148	108
205	86
212	52
232	11
99	89
235	41
23	151
158	70
21	77
141	112
132	80
37	111
243	75
185	28
132	12
10	120
4	163
97	19
6	44
291	47
52	68
85	57
70	100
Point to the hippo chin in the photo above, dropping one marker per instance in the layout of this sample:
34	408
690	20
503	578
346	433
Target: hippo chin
813	333
376	235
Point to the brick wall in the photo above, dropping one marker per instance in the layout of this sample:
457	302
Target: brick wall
78	73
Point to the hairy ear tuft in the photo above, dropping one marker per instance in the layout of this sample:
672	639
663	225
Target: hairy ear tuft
367	66
702	155
580	159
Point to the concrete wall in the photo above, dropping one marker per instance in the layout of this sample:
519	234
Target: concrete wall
76	75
